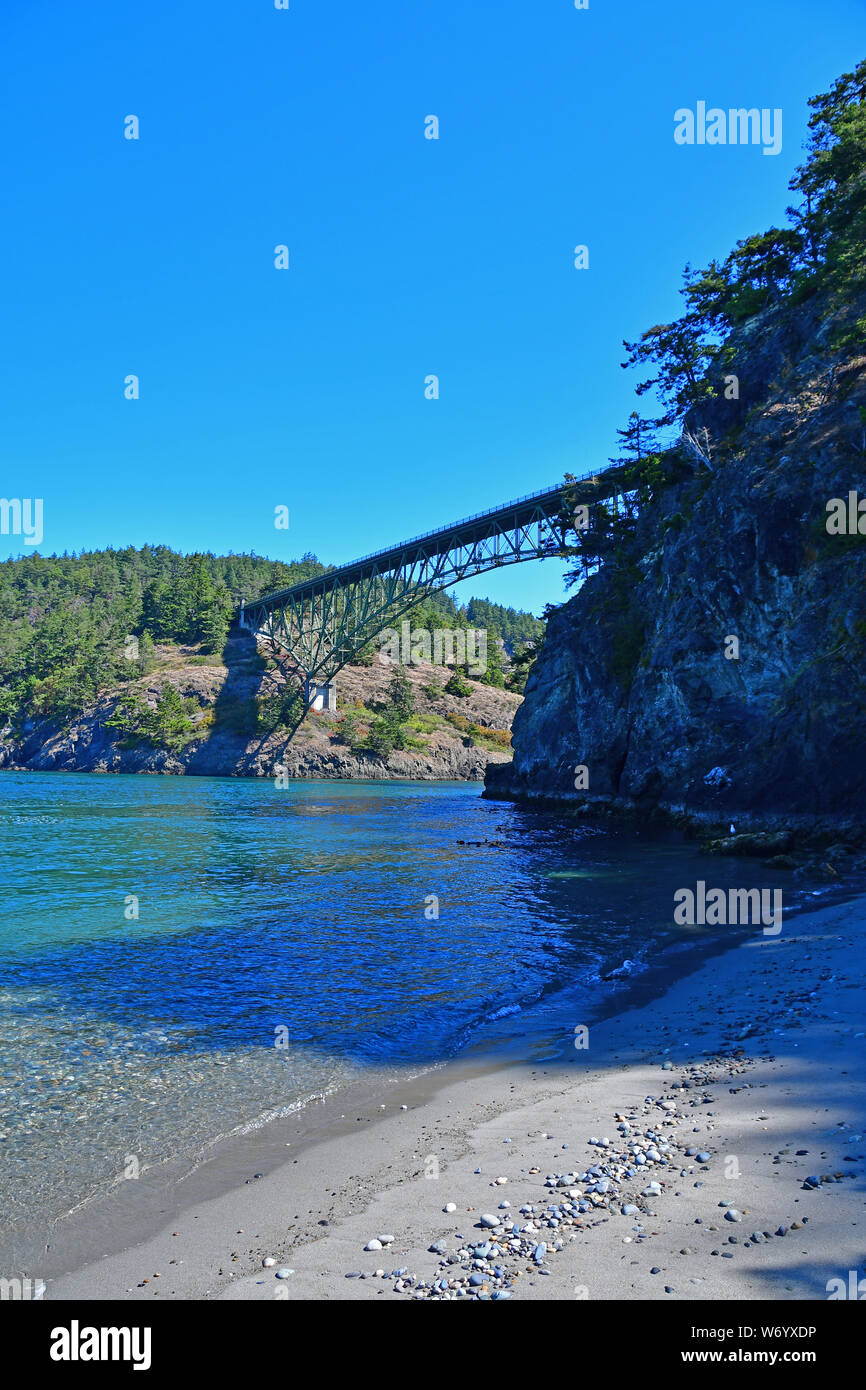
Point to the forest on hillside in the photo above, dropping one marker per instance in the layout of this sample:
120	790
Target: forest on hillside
65	621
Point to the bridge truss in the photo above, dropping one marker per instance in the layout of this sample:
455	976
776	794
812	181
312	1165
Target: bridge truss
324	623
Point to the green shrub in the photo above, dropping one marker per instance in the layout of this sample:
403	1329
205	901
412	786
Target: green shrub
283	710
170	725
458	685
349	729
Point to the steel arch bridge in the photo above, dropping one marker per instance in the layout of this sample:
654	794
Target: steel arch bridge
323	623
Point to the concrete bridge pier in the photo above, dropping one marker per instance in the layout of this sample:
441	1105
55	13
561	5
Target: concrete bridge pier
321	695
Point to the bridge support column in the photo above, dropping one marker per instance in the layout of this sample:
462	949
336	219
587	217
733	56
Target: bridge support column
321	695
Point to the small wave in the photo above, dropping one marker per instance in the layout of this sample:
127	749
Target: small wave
506	1009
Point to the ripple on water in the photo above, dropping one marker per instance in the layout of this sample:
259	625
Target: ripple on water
282	945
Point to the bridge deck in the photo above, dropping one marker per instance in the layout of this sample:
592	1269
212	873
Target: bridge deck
520	512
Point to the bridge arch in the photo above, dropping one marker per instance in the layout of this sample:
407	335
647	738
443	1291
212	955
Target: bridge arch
322	624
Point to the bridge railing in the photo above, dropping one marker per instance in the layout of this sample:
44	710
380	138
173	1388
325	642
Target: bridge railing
478	516
432	535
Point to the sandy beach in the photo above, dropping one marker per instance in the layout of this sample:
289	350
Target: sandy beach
703	1112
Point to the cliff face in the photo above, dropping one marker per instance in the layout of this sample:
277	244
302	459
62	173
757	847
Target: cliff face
634	682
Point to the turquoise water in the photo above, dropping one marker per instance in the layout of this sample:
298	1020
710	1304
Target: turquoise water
303	917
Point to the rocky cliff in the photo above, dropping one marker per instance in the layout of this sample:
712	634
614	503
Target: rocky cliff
639	681
449	737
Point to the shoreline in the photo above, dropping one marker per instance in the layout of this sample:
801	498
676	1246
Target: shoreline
812	830
156	1107
90	1226
459	1114
454	737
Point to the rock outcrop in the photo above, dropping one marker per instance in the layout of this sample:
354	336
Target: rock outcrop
637	681
456	739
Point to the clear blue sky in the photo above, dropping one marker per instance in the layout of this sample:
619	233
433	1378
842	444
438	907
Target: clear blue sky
408	256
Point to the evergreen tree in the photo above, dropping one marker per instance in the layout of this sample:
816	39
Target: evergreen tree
401	696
